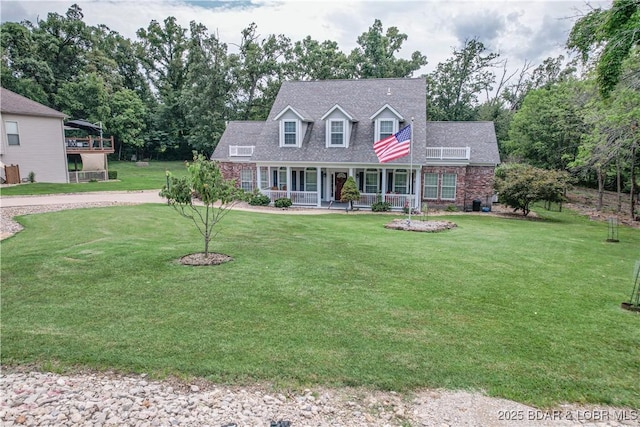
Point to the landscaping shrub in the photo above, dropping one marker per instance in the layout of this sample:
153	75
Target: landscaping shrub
112	174
451	208
282	202
259	200
381	207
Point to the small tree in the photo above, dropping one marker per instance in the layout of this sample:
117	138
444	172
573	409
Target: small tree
519	186
205	183
350	192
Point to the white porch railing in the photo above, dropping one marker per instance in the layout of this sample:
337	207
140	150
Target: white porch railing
397	201
448	153
304	198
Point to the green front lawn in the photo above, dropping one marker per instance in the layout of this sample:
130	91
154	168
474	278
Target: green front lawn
526	310
130	178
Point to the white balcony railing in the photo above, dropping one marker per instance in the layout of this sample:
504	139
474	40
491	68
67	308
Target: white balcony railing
448	153
241	150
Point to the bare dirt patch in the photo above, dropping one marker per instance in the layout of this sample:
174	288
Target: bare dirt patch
199	259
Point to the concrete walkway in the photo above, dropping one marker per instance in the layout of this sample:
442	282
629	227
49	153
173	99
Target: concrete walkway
141	196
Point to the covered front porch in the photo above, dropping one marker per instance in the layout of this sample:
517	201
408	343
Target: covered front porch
320	186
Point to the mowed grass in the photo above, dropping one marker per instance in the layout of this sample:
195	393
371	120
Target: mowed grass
525	310
130	178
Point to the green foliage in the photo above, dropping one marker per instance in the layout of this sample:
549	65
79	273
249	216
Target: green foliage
283	202
380	206
546	131
451	208
259	199
520	185
112	174
350	192
375	56
454	86
215	193
611	35
31	177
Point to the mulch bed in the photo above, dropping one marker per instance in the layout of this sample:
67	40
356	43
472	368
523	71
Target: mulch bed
200	259
418	225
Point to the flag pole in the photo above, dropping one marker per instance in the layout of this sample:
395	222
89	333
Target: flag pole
410	171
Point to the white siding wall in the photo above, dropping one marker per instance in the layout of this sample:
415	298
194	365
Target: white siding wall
41	149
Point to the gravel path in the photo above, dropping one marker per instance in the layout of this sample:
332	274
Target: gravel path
32	398
102	399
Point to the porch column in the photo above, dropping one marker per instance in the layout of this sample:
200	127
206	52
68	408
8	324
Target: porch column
418	189
289	182
384	185
318	187
351	173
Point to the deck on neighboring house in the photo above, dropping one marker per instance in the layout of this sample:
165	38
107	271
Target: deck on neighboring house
89	144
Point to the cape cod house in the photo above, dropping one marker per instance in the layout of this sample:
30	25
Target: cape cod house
318	133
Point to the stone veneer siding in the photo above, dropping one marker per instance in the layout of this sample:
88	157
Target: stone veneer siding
472	182
232	171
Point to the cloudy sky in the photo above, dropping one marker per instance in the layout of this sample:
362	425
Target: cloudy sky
519	30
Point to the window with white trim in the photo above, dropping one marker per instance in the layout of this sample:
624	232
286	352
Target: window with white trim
246	179
336	133
311	179
290	133
400	181
448	186
282	178
430	186
13	137
371	181
264	178
386	128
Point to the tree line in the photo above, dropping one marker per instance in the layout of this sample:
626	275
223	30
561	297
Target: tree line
172	89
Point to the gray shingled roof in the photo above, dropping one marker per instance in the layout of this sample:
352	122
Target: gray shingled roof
12	103
361	98
480	136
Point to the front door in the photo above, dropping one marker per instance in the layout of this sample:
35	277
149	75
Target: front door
341	177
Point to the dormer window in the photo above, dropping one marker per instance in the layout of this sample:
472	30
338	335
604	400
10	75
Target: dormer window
293	125
290	133
386	128
339	124
337	133
387	122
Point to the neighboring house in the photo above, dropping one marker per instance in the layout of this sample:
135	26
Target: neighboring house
320	132
32	138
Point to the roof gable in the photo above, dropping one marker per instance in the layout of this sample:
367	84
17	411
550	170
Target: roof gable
12	103
298	112
339	108
390	108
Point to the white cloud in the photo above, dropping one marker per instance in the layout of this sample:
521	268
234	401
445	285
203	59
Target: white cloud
519	30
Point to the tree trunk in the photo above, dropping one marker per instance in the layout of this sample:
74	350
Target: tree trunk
619	185
600	189
633	180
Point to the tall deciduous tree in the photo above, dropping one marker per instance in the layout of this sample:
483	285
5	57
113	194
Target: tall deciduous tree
207	94
375	56
546	131
453	88
258	70
609	35
314	60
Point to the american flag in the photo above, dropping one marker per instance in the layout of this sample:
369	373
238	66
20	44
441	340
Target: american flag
394	146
